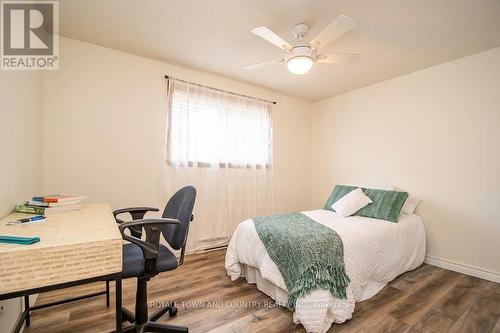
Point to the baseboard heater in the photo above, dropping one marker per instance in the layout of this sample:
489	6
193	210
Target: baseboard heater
213	248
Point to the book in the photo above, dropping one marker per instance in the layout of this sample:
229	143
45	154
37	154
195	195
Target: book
19	240
64	203
46	210
29	209
36	203
60	209
59	198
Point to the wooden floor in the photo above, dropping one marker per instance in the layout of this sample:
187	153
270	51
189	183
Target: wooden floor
428	299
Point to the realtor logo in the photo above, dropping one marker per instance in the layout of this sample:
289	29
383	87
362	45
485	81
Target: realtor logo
29	32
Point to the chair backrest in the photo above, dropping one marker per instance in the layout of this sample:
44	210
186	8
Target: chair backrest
180	206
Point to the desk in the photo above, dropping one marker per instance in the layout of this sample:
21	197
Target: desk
75	248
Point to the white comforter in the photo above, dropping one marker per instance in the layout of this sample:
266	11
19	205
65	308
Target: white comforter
375	252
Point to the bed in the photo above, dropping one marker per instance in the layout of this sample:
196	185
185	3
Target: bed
375	252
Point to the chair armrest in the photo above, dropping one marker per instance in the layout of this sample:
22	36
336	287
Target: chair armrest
137	213
152	227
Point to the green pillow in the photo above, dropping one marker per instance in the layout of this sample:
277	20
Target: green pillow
386	204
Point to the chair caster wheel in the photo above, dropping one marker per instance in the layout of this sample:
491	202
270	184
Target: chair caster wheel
173	311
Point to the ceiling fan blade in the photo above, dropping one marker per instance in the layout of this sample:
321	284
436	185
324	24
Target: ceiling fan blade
264	64
271	37
337	28
339	58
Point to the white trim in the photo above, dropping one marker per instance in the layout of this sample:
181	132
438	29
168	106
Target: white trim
464	269
33	299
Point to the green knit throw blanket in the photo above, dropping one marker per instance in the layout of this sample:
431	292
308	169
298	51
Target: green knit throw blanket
309	255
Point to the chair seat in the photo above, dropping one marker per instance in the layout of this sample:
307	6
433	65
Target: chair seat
133	260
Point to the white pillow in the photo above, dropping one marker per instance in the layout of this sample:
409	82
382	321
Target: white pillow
410	204
351	203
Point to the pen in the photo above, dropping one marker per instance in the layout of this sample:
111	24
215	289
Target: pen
30	219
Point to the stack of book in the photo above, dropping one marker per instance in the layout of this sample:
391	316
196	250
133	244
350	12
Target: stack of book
51	204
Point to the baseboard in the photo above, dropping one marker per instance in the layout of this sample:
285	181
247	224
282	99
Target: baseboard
464	269
210	249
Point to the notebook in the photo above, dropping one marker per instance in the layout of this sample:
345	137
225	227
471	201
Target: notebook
19	240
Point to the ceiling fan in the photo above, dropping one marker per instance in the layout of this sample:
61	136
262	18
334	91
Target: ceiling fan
300	58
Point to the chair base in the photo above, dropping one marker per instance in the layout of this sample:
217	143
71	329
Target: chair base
150	324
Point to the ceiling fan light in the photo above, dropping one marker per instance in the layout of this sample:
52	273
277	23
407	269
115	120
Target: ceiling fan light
299	64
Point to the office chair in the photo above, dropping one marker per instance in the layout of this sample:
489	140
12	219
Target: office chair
145	258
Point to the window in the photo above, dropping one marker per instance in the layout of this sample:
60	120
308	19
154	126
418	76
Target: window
210	127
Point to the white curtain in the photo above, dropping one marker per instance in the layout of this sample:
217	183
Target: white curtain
221	143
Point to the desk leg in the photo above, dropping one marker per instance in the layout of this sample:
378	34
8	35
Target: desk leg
118	292
27	309
107	294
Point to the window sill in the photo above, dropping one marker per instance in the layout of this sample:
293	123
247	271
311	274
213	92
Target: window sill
191	164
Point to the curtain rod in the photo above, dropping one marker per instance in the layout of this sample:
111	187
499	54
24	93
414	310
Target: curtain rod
201	85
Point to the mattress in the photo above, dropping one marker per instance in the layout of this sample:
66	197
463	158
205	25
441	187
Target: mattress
375	252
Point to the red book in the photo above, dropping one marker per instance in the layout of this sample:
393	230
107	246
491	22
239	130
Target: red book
60	198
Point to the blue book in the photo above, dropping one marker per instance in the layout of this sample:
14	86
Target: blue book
19	240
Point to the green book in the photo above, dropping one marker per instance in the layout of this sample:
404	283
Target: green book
29	209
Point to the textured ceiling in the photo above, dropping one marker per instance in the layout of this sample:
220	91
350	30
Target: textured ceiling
394	36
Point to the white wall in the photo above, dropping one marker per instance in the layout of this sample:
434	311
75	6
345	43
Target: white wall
20	154
436	133
104	128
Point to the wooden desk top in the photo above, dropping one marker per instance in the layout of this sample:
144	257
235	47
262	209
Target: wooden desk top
73	245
